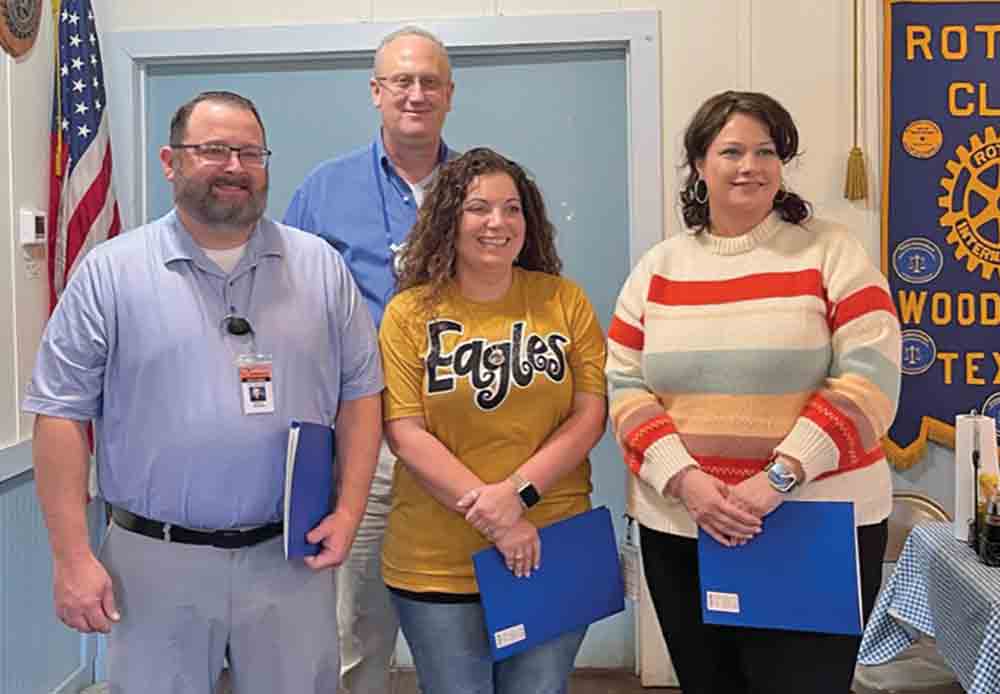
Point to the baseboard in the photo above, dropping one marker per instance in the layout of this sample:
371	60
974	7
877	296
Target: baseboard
77	680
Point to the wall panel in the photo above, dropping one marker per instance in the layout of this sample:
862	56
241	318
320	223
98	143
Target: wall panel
8	389
39	654
31	83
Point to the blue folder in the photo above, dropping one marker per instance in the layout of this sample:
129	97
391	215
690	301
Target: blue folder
800	574
309	484
578	583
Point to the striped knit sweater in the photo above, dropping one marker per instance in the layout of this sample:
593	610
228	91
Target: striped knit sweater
722	350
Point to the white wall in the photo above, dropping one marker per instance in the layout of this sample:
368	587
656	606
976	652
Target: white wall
8	420
26	85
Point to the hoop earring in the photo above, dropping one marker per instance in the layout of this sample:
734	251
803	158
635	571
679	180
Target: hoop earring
781	195
699	191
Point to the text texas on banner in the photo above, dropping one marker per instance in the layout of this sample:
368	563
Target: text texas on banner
940	213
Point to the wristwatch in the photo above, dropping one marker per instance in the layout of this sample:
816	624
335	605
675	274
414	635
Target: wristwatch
526	490
780	475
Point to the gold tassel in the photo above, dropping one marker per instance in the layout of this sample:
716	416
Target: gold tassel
856	186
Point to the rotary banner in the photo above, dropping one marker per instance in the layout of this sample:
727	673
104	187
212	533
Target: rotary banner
941	213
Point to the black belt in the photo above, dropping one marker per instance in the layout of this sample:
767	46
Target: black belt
224	539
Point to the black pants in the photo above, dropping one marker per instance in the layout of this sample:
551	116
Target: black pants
734	660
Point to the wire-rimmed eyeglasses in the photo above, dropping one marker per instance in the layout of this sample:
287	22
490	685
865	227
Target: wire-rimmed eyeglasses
403	83
218	154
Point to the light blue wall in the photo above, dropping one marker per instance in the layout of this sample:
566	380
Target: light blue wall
37	653
934	475
562	115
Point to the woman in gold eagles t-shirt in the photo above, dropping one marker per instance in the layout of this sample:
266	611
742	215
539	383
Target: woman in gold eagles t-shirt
495	395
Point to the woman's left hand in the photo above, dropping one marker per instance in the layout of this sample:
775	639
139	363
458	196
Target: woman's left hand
756	495
521	548
493	508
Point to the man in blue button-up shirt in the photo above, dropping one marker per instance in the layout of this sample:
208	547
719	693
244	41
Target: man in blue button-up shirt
191	343
364	204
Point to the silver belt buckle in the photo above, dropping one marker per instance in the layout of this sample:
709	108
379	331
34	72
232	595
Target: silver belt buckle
166	532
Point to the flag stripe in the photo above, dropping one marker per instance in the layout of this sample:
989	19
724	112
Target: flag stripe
83	210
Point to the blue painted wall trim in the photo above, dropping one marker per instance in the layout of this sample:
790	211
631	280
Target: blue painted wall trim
14	461
37	653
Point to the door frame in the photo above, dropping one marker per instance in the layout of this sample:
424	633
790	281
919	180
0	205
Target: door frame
129	55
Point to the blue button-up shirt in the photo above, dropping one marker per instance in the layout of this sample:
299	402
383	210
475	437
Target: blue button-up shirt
137	344
363	207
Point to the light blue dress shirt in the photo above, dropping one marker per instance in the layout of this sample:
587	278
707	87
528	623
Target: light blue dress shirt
363	207
137	344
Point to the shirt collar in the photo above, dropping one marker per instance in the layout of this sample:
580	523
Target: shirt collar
177	243
444	154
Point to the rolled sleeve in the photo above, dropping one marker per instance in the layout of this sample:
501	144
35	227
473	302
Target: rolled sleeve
68	377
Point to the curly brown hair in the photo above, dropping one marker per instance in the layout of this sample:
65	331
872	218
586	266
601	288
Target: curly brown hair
429	256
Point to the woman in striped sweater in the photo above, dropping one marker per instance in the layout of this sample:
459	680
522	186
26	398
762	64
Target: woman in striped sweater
752	360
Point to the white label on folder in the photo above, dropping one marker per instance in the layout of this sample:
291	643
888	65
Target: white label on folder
723	602
509	636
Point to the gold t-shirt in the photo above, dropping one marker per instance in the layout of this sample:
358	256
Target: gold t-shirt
492	382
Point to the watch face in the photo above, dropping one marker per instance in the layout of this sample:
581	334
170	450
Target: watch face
529	495
780	477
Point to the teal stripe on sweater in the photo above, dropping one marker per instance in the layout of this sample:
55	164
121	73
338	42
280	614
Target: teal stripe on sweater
871	365
738	372
618	381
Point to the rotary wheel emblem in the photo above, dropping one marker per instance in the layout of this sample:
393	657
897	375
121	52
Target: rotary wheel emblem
972	203
19	21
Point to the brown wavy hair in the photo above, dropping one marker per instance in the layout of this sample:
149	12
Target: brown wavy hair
429	256
708	120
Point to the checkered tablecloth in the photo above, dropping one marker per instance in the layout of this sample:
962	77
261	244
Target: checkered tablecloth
940	588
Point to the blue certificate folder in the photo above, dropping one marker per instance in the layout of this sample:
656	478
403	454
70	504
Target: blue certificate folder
578	583
309	484
800	573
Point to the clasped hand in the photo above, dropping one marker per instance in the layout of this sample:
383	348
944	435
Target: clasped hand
730	514
521	548
492	509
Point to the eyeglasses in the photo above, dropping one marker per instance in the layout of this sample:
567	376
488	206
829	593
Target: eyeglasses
237	325
219	154
404	83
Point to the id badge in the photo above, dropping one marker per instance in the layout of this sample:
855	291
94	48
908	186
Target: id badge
629	553
256	383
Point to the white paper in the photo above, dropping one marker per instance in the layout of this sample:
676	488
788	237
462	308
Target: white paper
510	636
722	602
967	427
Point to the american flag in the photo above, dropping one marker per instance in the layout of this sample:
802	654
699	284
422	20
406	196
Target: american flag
82	206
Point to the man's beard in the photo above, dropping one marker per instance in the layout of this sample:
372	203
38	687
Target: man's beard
198	199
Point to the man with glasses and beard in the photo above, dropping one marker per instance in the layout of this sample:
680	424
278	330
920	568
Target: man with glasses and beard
364	204
215	304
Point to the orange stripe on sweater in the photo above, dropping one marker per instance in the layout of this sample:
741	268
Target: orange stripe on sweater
843	433
867	300
625	334
765	285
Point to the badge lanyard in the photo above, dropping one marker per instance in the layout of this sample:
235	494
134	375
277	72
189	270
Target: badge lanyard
394	248
629	554
255	371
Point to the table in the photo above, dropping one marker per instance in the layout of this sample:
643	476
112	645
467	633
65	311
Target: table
940	589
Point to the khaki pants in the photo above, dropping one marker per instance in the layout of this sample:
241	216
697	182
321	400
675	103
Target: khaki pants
182	606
